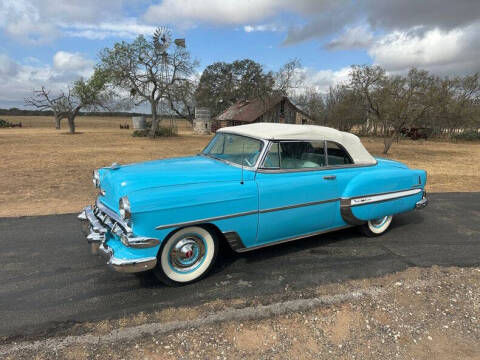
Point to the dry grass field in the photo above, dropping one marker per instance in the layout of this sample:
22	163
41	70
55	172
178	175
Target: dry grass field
46	171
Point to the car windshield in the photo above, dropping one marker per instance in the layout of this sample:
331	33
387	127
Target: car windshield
234	148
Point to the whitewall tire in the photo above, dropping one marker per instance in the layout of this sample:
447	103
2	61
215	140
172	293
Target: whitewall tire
377	227
186	256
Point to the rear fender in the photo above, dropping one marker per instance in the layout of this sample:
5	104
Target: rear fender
380	193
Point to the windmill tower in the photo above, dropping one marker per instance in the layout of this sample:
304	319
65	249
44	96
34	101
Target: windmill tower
162	39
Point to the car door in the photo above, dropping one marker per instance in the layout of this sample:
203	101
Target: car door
297	193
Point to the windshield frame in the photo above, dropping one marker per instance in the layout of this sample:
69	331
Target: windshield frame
254	166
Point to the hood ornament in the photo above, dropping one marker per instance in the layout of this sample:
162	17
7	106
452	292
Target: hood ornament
114	166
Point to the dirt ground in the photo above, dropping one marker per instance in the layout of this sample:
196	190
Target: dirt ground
46	171
415	314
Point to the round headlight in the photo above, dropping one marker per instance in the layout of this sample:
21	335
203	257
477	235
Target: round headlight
96	178
124	208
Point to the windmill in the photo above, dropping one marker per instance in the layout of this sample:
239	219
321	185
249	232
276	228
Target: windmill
162	39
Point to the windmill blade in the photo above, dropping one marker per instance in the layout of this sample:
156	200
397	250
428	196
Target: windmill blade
162	38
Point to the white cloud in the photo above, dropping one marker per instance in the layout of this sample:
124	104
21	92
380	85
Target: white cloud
18	80
321	80
8	67
212	11
129	28
41	21
352	38
440	51
263	27
188	12
22	21
66	61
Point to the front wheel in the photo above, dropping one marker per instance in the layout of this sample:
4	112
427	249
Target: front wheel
376	227
186	256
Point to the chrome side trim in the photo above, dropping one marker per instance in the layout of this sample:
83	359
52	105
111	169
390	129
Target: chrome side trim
323	168
206	220
346	204
297	205
380	197
293	238
252	212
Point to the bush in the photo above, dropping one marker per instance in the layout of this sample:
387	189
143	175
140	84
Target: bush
468	135
140	133
164	131
7	124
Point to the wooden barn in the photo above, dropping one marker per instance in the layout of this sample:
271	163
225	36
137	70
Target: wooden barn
277	110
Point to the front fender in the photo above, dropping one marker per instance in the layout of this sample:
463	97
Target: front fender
156	212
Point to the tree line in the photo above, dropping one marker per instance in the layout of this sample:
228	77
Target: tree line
374	102
149	71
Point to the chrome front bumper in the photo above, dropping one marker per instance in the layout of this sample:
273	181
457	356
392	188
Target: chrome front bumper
102	221
422	203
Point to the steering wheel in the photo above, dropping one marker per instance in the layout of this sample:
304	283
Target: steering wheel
248	162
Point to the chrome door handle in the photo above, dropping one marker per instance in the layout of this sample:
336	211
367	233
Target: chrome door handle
329	177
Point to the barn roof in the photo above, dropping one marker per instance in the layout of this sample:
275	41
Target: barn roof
250	110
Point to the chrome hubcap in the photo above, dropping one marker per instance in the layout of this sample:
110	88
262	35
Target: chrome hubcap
379	222
187	253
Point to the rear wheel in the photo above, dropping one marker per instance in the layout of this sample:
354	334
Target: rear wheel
186	256
376	227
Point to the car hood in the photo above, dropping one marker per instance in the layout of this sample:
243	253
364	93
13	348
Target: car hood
127	179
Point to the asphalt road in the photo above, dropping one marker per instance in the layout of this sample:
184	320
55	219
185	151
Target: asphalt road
49	280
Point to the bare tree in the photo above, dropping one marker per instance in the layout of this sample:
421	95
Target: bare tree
149	73
43	100
288	77
90	94
311	101
456	104
394	101
344	108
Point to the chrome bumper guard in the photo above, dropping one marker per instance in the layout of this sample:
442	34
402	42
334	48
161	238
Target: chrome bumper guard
102	221
422	203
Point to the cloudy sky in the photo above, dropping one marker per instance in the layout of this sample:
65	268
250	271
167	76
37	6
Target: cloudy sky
51	42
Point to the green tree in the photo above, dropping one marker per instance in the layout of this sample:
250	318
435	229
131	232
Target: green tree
223	84
151	74
90	94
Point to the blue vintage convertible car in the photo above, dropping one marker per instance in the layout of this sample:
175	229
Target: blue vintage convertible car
252	186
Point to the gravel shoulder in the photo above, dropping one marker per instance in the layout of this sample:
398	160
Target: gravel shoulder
420	313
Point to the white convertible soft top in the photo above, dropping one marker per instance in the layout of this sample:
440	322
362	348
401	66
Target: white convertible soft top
275	131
